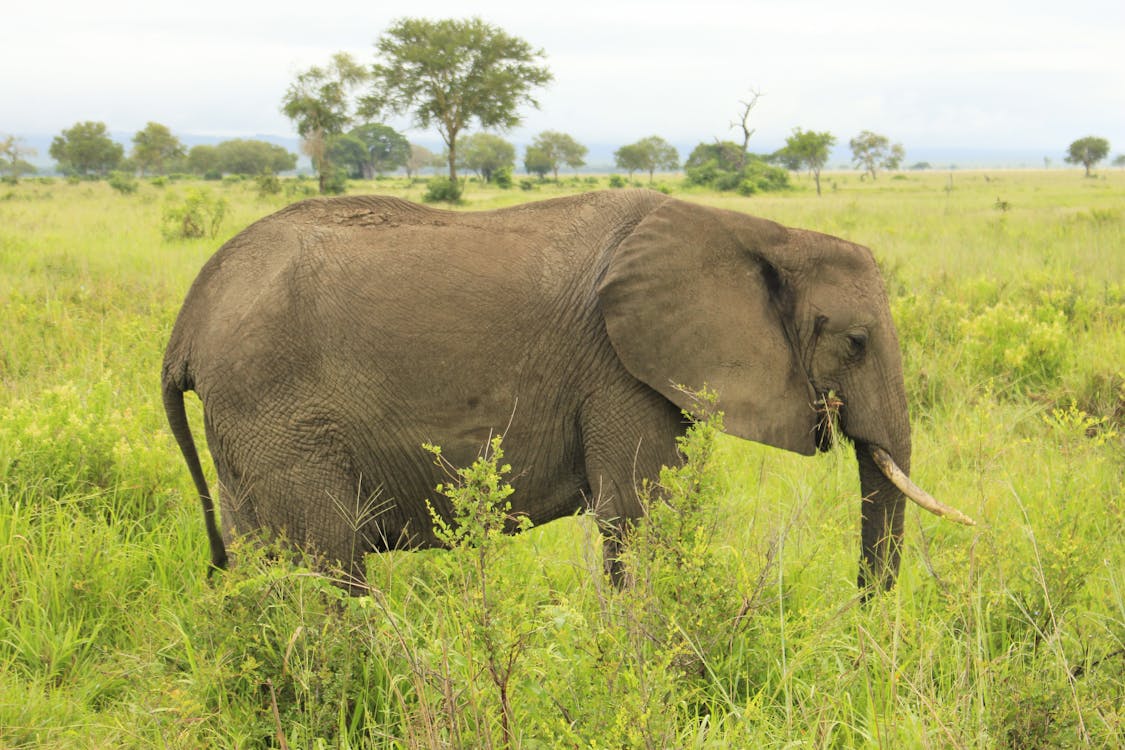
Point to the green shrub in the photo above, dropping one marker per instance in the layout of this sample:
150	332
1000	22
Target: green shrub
755	177
336	183
503	178
299	189
199	215
285	653
80	442
616	181
268	184
123	182
442	190
1027	349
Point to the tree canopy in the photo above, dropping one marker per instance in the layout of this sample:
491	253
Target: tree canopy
552	148
420	158
240	156
155	149
871	150
723	165
12	163
647	155
319	104
448	73
86	148
726	156
807	149
536	162
369	150
486	153
1087	151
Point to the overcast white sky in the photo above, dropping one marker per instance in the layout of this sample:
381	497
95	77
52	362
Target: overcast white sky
1013	74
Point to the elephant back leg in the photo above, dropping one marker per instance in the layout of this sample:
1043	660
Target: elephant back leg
301	488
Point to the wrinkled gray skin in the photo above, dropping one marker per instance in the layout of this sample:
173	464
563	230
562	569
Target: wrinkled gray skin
330	340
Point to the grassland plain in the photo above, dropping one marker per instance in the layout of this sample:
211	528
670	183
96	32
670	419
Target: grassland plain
742	627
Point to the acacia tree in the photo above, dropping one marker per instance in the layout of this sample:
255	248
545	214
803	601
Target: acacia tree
420	158
1087	151
318	103
648	155
536	162
871	150
450	72
807	148
369	150
12	163
387	149
555	148
86	147
349	152
155	148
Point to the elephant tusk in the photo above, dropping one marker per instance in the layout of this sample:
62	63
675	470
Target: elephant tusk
890	469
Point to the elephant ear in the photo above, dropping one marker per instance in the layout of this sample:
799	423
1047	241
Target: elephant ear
691	298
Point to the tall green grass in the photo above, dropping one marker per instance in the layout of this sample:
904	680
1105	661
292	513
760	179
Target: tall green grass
742	628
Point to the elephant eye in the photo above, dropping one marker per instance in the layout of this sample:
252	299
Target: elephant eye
857	344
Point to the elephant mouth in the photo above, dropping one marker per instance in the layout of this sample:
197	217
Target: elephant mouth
828	421
829	407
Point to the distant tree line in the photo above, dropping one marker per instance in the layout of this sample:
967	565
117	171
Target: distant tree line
448	75
86	150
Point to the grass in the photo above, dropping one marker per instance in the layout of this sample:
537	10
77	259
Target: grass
1009	292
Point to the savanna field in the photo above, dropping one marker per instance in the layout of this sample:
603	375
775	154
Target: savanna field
742	627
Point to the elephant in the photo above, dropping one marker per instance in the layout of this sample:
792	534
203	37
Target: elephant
329	341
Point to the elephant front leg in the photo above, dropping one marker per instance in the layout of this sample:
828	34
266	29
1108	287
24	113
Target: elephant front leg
626	447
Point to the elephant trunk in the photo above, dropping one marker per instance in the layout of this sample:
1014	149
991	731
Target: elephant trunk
883	508
885	488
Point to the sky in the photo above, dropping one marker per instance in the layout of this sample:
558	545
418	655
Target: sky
949	74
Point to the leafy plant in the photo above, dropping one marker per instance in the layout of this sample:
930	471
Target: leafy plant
123	182
199	215
442	190
1025	348
268	184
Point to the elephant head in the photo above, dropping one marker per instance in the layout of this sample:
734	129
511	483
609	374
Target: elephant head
806	330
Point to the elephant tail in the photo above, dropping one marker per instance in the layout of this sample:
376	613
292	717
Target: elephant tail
177	420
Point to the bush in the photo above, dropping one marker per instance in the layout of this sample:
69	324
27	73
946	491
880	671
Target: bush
336	183
1025	349
503	178
756	177
299	189
616	181
123	182
442	190
200	215
268	184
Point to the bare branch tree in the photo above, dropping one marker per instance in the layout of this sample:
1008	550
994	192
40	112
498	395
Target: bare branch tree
743	122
